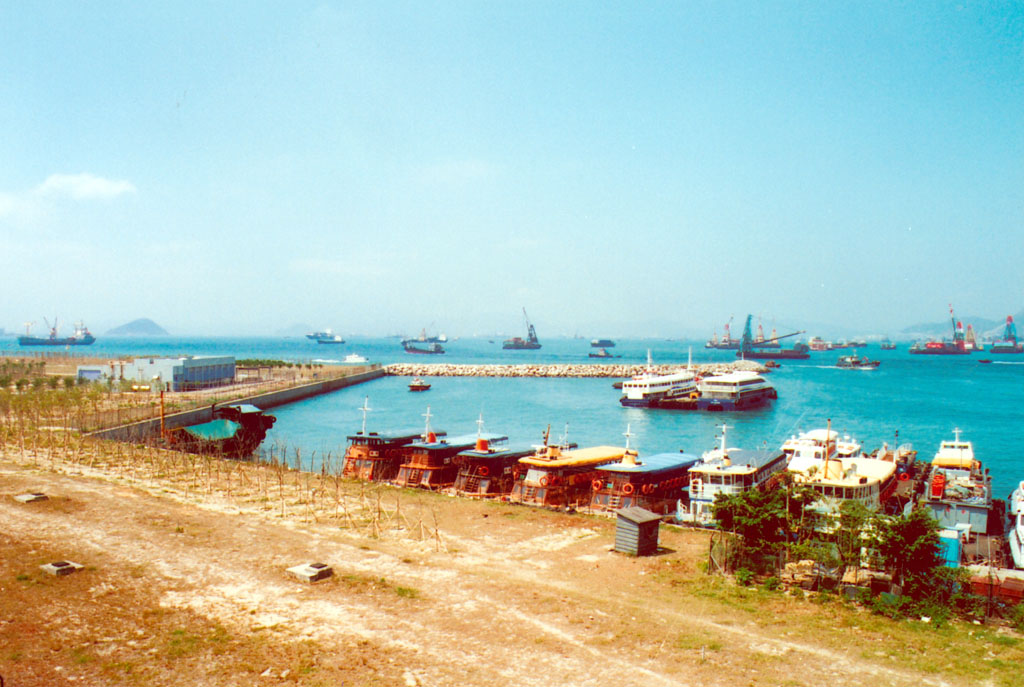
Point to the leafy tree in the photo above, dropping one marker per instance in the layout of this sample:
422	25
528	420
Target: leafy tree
909	547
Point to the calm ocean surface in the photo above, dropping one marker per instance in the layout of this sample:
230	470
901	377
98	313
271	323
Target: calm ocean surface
921	397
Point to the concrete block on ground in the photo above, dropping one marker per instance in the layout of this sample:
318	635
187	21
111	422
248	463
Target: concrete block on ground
60	568
312	572
29	498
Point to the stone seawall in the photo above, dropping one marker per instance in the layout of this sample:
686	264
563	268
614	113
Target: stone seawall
589	370
139	431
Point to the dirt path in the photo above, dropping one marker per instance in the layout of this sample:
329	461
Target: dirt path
193	590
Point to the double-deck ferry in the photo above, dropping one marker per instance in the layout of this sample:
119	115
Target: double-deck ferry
726	470
741	390
650	390
838	471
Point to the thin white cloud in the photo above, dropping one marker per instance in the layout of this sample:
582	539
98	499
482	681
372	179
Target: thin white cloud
84	186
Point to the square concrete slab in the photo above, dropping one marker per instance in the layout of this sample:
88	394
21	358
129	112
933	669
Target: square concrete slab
59	568
312	572
29	498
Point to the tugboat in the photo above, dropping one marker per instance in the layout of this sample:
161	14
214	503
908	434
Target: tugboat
418	384
81	337
726	343
857	363
603	353
530	343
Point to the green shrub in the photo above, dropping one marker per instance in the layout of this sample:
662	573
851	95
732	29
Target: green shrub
744	576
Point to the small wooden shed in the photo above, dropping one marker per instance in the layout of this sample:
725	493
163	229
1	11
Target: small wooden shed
636	531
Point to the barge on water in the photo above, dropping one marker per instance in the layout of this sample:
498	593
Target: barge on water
235	431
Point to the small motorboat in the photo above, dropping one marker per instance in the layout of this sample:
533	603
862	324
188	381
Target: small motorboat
354	359
861	363
984	361
418	384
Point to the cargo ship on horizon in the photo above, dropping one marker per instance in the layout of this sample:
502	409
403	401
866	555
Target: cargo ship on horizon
81	337
958	346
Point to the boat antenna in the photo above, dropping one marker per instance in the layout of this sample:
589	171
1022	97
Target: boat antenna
547	434
480	425
628	435
689	358
365	408
564	443
426	432
649	360
724	428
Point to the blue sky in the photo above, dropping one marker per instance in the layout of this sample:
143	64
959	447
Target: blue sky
621	169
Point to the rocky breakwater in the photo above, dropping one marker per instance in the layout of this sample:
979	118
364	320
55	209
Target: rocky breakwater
581	370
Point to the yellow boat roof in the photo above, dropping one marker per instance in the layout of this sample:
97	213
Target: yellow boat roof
552	456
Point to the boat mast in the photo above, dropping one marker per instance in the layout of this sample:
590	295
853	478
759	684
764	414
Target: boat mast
365	408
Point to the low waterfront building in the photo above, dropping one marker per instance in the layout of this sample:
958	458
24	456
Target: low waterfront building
187	373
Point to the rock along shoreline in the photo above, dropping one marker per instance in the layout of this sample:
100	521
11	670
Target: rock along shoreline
570	370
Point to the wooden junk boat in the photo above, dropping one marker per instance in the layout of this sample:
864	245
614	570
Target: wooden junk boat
234	432
560	478
654	483
487	469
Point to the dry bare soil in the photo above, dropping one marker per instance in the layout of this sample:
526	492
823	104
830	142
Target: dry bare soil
185	583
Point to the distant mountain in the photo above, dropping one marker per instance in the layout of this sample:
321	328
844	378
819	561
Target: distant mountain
139	327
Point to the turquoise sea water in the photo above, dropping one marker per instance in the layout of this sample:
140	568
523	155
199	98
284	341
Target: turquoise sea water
921	397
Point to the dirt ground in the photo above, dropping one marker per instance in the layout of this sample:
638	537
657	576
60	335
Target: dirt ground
184	583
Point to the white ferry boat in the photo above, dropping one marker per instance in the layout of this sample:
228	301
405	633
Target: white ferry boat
649	390
838	471
726	471
740	390
1016	533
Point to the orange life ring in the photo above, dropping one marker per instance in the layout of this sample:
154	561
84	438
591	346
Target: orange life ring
483	471
647	488
597	485
544	481
904	476
627	488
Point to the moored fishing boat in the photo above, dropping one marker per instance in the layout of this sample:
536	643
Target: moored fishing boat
959	491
